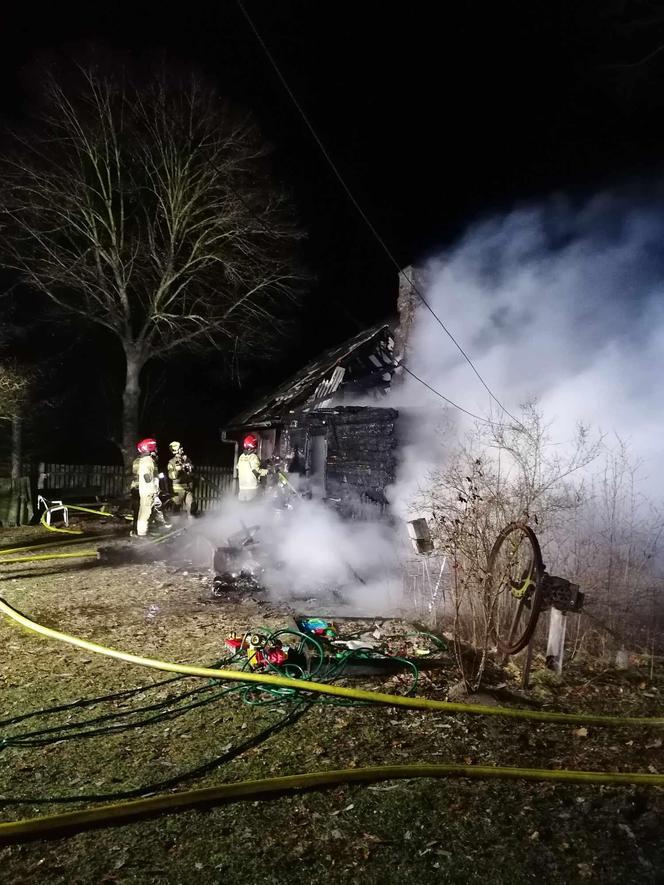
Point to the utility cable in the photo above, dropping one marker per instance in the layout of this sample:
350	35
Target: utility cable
68	731
88	702
106	717
198	771
339	691
634	64
450	402
363	214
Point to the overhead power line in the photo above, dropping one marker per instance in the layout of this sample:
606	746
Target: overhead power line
449	401
638	62
364	216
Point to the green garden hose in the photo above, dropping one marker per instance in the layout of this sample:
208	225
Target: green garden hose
333	690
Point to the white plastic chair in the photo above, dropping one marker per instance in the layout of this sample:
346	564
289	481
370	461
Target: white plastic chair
52	507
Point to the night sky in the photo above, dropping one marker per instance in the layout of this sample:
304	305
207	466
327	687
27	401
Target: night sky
434	118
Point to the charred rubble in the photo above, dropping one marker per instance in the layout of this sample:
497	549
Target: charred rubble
331	429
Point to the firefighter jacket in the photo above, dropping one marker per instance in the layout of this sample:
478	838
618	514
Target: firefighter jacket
148	483
180	472
249	471
134	474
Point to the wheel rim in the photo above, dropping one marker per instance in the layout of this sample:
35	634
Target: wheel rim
514	575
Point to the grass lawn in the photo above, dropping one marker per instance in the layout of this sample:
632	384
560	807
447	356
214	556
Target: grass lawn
394	832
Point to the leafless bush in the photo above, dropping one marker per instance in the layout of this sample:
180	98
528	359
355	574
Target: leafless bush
500	474
613	550
584	501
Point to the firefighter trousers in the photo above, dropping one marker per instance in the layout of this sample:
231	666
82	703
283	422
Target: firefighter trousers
182	499
146	503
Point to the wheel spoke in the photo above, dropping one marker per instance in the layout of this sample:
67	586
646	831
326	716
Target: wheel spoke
514	572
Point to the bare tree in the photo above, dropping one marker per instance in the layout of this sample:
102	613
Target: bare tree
15	386
148	210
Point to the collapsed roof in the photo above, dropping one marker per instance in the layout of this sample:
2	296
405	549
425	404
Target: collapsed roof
363	365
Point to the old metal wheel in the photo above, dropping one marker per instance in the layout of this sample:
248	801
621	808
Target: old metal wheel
514	587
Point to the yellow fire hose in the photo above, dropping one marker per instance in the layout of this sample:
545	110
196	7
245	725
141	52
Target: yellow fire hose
83	553
124	812
327	689
78	508
54	528
42	556
56	542
60	824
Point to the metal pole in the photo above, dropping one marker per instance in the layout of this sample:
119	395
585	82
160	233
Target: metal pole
555	649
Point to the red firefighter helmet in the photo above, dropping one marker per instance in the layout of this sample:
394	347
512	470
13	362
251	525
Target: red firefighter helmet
147	446
250	441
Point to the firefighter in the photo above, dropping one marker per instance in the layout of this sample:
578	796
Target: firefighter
146	481
180	473
249	470
133	491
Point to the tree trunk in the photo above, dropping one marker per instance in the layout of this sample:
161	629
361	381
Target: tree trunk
17	448
20	508
130	406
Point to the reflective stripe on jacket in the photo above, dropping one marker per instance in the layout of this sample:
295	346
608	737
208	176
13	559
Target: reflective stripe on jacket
180	471
248	470
134	473
147	474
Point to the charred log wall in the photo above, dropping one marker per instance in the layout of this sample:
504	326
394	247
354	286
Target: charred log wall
361	455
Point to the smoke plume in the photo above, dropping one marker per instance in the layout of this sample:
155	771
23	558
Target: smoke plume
554	303
310	554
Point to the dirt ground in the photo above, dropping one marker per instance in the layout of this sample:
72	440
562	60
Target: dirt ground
416	830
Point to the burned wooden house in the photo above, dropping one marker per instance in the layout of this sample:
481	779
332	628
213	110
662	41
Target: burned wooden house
330	425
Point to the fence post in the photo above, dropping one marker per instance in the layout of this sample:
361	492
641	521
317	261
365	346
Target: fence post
555	649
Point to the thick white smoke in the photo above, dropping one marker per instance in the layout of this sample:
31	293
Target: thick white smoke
559	304
310	554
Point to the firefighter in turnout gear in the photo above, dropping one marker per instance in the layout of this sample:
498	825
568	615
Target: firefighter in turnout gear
146	482
249	470
181	475
133	490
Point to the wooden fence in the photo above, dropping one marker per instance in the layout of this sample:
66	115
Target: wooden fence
110	479
211	486
211	483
